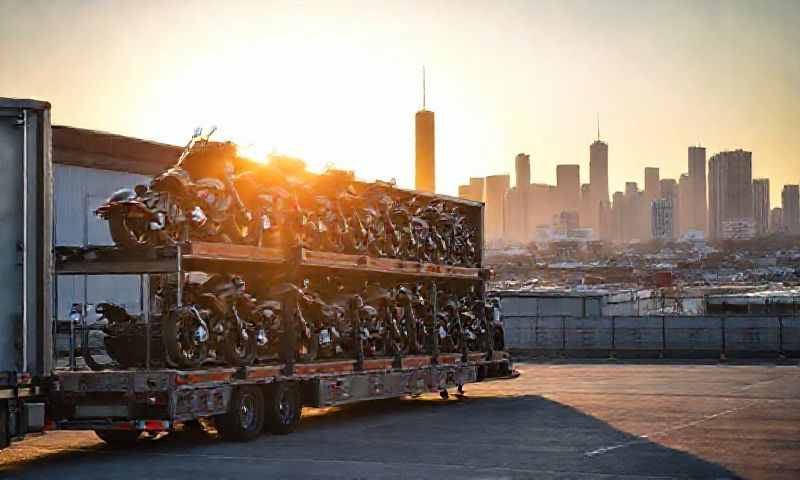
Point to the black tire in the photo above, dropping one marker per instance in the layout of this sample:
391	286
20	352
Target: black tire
284	407
119	438
244	420
122	233
499	343
239	353
190	355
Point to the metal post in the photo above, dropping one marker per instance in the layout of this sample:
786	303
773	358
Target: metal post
435	310
179	267
613	335
563	335
663	336
144	289
780	337
356	315
723	353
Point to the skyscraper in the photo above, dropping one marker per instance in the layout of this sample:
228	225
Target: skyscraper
669	190
761	205
425	166
495	194
698	204
523	170
598	178
652	187
661	211
790	200
568	183
685	207
730	193
776	220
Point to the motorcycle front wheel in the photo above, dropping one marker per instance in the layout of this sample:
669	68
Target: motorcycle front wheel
180	331
239	351
126	232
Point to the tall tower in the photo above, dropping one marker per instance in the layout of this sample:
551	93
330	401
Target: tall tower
425	166
598	178
790	203
697	189
518	202
761	205
523	169
568	181
652	187
730	194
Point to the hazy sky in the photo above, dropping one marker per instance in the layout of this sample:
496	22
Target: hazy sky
339	81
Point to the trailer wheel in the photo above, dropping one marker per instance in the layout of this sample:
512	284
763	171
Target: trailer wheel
245	417
283	407
119	438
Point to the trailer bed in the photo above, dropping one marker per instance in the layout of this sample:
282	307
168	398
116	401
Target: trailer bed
159	399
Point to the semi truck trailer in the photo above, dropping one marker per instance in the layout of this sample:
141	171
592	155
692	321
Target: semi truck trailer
40	391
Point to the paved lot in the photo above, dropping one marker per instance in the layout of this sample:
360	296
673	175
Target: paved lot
557	421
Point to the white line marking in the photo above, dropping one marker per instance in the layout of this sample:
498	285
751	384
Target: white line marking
644	438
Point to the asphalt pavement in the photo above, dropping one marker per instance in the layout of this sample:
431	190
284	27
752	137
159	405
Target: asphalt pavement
557	421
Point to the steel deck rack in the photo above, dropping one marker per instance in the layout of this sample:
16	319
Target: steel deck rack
226	258
114	402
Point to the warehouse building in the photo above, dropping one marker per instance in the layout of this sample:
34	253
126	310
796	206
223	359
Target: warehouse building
88	167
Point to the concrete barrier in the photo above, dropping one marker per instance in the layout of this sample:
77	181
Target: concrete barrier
752	335
588	334
638	335
676	336
790	335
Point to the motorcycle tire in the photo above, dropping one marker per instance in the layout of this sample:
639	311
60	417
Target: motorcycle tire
123	234
175	334
239	353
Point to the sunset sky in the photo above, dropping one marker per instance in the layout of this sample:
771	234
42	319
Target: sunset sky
339	81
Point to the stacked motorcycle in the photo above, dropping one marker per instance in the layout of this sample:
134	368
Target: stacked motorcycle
223	321
213	195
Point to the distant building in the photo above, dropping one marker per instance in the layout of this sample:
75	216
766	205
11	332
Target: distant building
568	183
473	190
761	205
662	220
522	163
495	195
697	206
738	229
790	201
425	166
567	221
598	179
730	191
776	220
669	189
685	206
652	186
617	218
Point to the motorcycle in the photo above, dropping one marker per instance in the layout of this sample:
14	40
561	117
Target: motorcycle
211	320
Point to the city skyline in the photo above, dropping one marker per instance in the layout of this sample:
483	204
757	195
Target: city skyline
339	81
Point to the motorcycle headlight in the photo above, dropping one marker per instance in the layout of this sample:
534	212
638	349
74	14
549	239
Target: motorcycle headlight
199	216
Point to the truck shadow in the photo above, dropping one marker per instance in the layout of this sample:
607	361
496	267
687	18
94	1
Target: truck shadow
510	436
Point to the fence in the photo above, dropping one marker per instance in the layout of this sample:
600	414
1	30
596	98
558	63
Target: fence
655	335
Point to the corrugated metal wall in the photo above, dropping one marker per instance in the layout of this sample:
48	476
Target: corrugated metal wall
78	192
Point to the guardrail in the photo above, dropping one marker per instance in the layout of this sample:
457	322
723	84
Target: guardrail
655	335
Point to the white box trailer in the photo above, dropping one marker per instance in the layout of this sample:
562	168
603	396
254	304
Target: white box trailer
25	264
